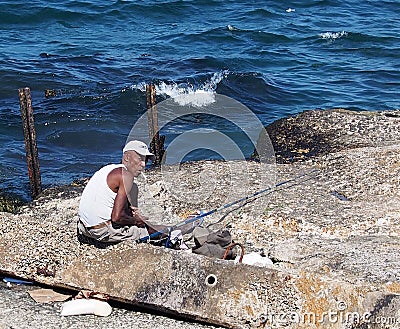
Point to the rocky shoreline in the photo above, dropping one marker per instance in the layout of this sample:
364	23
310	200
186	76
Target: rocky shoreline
340	220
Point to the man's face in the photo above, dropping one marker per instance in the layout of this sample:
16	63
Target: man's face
136	163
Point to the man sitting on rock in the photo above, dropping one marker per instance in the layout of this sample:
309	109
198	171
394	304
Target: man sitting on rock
108	210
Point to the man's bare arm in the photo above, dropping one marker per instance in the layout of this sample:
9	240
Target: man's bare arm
120	181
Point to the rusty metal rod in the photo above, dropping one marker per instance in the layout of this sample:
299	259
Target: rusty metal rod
156	142
150	97
28	125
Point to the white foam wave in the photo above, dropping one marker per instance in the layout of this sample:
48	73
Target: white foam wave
333	35
140	86
186	95
215	80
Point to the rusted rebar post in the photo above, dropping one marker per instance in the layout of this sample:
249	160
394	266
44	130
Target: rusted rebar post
28	125
156	142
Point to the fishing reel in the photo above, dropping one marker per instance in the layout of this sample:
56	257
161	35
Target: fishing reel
175	240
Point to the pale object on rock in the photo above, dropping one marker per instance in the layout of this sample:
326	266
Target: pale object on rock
86	306
255	259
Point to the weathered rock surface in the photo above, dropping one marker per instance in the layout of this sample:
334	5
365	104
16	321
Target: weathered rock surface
19	310
9	203
315	132
333	234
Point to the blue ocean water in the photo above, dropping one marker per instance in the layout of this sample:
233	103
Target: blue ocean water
278	58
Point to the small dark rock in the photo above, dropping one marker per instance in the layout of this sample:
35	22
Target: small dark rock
9	203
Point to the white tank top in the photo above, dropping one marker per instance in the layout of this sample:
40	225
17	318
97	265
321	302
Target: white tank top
97	199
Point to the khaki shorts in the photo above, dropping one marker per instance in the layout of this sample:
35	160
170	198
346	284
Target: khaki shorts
111	234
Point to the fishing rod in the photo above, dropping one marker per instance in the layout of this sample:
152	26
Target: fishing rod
169	229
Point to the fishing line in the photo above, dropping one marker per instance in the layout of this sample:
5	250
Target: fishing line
228	205
274	189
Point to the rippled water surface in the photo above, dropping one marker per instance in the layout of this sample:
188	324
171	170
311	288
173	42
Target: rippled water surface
276	57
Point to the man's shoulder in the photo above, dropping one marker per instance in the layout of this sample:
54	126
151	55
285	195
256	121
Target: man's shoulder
116	171
120	172
115	178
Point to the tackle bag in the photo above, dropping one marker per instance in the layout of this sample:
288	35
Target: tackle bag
216	244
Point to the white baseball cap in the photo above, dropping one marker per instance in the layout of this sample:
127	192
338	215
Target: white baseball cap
140	148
